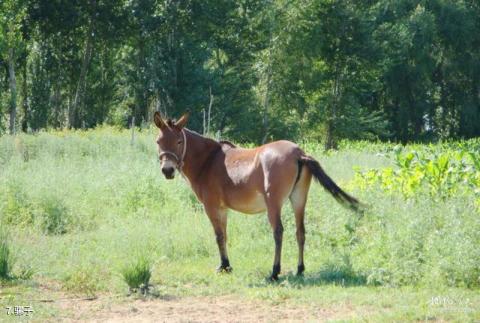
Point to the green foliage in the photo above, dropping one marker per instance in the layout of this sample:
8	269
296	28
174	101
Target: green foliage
445	174
52	215
440	172
45	211
93	199
317	69
6	258
137	274
83	280
15	207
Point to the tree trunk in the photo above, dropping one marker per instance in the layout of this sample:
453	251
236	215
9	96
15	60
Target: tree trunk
266	101
330	140
266	104
25	98
13	89
141	107
72	113
57	114
210	110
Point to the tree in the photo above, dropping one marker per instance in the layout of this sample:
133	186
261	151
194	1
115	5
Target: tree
264	69
326	70
11	41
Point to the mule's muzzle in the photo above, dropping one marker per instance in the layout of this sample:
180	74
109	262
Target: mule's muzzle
168	172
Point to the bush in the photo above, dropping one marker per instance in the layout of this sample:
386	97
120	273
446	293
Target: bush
15	206
53	215
137	275
82	280
45	209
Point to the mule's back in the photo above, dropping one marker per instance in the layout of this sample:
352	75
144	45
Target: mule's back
248	177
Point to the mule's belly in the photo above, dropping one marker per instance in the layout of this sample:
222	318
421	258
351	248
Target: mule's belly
248	202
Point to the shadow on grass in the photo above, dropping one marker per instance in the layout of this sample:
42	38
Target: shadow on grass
329	275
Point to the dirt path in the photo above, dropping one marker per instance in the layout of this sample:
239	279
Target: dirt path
193	309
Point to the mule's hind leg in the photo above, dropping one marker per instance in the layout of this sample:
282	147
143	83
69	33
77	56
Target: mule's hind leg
298	198
274	216
279	179
218	218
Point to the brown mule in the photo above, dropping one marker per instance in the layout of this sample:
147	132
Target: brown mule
224	177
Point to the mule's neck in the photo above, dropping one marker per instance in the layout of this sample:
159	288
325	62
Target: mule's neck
199	150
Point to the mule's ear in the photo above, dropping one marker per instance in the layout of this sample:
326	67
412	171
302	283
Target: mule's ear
183	120
157	118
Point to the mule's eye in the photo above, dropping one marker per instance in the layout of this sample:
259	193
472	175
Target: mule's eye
179	142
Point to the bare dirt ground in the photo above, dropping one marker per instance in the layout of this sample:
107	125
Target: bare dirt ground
52	304
192	309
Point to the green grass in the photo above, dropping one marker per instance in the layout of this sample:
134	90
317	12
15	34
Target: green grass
137	274
6	259
80	204
83	280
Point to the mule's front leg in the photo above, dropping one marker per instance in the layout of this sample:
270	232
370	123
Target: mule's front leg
218	217
276	222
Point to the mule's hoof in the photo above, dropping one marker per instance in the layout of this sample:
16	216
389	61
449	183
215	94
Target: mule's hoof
300	270
275	271
226	269
274	277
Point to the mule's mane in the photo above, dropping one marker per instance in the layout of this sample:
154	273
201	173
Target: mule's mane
227	143
222	143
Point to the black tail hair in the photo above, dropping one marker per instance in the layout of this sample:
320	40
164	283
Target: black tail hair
329	185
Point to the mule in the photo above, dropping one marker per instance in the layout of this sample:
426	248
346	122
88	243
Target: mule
224	176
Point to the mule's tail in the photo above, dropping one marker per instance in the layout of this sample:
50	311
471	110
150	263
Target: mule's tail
325	180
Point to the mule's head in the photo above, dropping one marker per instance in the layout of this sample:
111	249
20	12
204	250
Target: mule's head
171	143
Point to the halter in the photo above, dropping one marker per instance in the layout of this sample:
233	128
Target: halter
179	161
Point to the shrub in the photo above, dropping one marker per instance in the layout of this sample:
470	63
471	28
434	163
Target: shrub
15	207
82	280
137	275
53	215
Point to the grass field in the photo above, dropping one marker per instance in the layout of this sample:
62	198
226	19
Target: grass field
78	209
